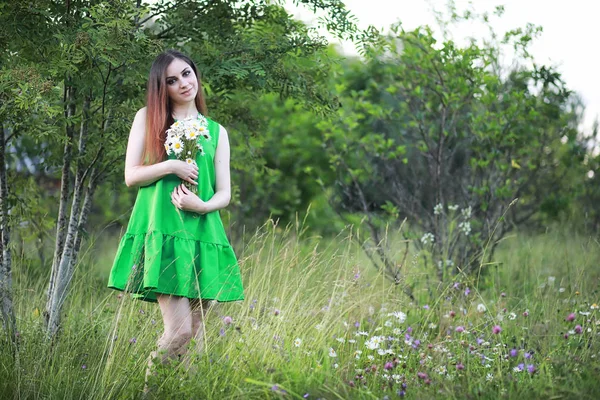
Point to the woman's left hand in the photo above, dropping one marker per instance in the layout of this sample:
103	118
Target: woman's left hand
184	199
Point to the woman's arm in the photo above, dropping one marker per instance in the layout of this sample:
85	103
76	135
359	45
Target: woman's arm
222	194
137	174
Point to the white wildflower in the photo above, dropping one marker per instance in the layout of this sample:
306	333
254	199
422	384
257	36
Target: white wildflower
332	352
465	227
427	238
512	316
438	209
481	308
297	342
453	207
466	212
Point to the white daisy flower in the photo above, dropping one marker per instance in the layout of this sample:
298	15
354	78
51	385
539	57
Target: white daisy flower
481	308
177	146
297	342
332	352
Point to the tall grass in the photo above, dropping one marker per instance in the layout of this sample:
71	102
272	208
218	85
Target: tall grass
319	322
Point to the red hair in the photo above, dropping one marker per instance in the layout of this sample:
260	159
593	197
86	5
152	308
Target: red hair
158	105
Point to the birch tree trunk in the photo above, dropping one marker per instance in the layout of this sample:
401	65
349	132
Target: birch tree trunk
64	272
9	323
61	221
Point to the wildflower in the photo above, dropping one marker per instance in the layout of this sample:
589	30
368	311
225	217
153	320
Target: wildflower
422	375
502	294
570	317
356	324
460	329
519	368
551	280
332	352
341	340
452	313
297	342
388	365
496	329
594	306
578	329
489	377
456	285
513	352
276	312
481	308
453	207
460	366
227	320
319	327
530	368
426	306
132	340
512	316
526	313
387	323
467	291
527	355
438	209
84	366
466	212
427	238
561	290
465	227
222	332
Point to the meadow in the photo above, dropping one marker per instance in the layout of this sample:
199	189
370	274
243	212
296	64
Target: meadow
319	322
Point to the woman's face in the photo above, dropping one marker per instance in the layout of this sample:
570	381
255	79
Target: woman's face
182	84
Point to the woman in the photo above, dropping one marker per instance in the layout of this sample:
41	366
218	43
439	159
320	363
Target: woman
175	251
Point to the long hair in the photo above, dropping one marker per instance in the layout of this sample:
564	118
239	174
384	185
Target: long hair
159	116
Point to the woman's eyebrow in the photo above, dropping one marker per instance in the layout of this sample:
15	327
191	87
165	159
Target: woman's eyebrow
182	71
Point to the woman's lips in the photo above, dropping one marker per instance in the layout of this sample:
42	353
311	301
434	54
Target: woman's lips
187	92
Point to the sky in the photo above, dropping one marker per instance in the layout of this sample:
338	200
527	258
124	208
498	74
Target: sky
569	39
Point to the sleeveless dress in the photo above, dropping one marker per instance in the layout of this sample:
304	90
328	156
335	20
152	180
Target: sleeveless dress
171	251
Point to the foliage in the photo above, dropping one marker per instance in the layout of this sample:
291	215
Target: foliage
430	128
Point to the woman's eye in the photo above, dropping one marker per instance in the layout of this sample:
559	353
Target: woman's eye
186	73
170	81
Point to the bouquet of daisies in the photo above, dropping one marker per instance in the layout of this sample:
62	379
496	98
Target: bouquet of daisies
183	140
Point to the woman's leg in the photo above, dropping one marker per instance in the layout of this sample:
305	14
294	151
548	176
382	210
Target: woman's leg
200	308
177	319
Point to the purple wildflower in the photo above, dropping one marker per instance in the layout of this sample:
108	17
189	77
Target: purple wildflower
514	352
521	367
409	330
132	340
496	329
460	329
222	332
305	395
460	366
531	368
227	320
456	285
388	365
356	324
416	344
502	294
401	393
422	375
570	317
527	355
426	306
276	312
578	329
83	366
526	313
467	291
479	341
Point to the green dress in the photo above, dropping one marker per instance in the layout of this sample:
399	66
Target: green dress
170	251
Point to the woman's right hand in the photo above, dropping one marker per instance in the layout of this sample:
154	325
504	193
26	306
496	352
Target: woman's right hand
187	172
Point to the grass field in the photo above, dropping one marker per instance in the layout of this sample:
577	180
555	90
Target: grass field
319	322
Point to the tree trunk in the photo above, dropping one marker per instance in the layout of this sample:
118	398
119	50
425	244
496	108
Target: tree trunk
9	323
61	221
66	266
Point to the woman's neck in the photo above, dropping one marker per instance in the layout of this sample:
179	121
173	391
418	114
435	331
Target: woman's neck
183	111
